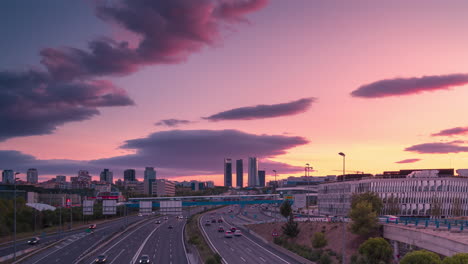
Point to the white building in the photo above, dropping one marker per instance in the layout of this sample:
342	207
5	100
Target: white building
253	179
414	194
165	188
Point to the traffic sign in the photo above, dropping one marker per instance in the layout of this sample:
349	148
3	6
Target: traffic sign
274	233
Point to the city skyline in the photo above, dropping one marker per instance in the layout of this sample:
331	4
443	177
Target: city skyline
290	84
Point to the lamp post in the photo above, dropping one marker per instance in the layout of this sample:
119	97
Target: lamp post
275	181
14	220
307	169
344	223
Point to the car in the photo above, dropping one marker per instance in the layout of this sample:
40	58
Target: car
140	215
233	229
158	221
220	229
181	217
92	226
101	259
220	220
144	259
186	217
33	241
207	223
165	218
228	234
170	227
238	233
213	220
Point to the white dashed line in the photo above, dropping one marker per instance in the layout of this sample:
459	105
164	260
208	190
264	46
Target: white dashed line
262	259
243	259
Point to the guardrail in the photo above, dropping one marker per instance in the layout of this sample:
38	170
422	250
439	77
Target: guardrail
427	222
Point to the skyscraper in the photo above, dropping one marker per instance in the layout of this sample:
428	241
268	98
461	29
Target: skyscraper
227	172
261	178
129	175
150	173
8	176
239	173
150	180
32	176
253	172
107	176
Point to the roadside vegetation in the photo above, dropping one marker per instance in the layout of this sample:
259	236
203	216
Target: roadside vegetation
195	237
365	209
30	221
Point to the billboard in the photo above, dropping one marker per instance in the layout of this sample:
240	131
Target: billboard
88	207
170	207
299	201
109	207
146	207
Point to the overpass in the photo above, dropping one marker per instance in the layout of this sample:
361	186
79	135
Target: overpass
440	240
209	200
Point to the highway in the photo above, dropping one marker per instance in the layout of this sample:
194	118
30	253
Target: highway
161	244
239	249
75	243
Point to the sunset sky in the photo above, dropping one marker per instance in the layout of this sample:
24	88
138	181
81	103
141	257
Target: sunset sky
182	84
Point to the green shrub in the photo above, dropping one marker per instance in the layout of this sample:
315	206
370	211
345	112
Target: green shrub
319	240
421	257
325	259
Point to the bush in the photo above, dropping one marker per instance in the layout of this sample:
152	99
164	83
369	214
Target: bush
460	258
319	240
376	250
325	259
211	260
421	257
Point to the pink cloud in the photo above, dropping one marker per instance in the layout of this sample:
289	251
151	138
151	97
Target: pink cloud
408	161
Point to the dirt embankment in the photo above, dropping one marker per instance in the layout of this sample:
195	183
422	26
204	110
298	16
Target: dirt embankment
333	233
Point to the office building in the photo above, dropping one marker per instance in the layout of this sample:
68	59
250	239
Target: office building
32	176
150	181
239	173
165	188
261	178
227	172
129	175
412	193
82	181
253	172
107	176
61	178
209	184
8	177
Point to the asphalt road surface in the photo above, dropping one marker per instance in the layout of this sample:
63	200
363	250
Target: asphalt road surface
239	249
73	245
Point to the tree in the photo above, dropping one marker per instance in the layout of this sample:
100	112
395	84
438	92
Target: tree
457	209
436	207
421	257
319	240
291	228
364	218
286	209
376	250
393	207
370	197
460	258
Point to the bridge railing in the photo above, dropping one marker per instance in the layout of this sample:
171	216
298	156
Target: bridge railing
427	222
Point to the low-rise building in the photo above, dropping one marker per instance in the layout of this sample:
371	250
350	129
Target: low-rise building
415	193
165	188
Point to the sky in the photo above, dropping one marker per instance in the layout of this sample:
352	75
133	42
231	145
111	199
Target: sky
180	85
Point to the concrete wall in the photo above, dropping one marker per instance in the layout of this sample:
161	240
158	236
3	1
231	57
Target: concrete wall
441	242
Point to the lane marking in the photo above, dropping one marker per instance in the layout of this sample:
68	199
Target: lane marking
267	250
262	259
134	259
243	259
117	256
249	249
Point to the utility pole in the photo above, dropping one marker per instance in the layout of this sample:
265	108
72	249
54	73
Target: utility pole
344	222
14	224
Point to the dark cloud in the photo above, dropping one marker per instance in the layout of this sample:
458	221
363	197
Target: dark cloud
32	103
452	132
169	31
408	161
174	153
264	111
172	122
408	86
202	151
439	148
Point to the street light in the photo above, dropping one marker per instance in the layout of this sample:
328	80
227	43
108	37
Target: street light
344	223
307	170
14	221
275	180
